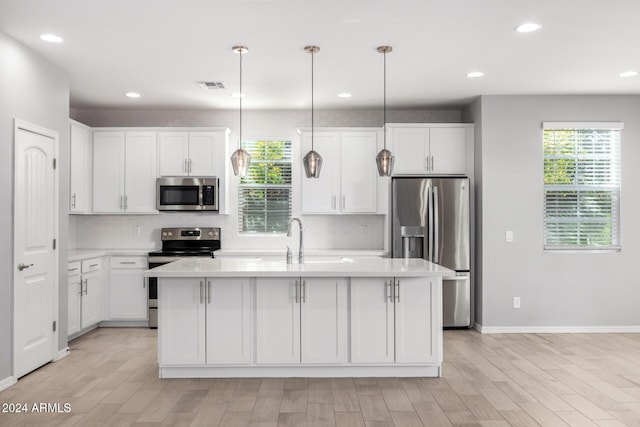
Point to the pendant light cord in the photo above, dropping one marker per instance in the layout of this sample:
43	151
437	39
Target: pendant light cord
384	102
312	53
241	95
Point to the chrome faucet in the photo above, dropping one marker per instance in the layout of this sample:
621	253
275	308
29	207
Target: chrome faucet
300	248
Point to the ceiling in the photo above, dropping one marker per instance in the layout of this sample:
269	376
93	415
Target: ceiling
161	47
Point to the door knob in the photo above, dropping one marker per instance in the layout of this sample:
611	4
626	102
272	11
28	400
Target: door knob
23	266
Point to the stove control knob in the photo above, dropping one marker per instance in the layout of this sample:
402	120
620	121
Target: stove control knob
170	234
211	234
164	234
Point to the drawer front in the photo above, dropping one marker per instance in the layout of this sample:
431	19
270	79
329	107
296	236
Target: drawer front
73	268
92	264
129	262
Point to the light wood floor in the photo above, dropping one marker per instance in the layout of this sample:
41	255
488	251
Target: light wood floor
582	380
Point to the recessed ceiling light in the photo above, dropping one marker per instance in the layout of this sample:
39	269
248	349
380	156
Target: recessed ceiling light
132	94
475	74
344	95
629	74
528	27
238	95
51	38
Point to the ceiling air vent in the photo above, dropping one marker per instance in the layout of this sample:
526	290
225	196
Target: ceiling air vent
211	85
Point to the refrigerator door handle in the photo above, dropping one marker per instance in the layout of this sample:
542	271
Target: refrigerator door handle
430	224
436	225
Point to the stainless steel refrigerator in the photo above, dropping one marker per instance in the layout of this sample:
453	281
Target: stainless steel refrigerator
430	220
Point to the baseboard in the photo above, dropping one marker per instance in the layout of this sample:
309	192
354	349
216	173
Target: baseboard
62	354
7	382
477	326
124	324
556	329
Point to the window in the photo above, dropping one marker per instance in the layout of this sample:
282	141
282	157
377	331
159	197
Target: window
264	195
581	185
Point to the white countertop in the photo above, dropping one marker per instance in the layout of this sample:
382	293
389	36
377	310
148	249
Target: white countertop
338	267
308	252
80	254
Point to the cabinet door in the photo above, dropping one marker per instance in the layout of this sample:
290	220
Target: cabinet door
140	172
372	334
228	321
320	195
410	150
416	315
207	154
448	150
79	169
323	315
73	304
181	321
91	298
128	295
277	320
173	153
108	172
359	173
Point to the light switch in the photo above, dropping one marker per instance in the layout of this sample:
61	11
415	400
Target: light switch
508	236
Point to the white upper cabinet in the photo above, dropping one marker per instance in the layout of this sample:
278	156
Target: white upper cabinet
192	153
348	182
79	168
124	172
431	149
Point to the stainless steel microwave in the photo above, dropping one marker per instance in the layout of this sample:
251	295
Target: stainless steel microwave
187	194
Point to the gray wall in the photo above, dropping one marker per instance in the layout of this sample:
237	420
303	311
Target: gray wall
34	90
557	289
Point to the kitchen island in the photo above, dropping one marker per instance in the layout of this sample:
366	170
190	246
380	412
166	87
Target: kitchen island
333	317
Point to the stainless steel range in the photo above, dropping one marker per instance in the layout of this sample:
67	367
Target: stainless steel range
179	243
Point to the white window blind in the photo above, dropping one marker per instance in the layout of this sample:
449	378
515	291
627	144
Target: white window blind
264	195
581	186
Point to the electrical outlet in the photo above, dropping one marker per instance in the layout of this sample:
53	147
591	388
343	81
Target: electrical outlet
516	302
137	230
508	236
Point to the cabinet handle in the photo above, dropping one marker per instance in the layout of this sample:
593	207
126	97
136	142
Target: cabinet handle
388	292
426	163
86	286
295	291
144	282
189	166
304	291
186	170
208	292
73	198
93	265
121	202
80	288
397	286
127	262
344	201
432	164
201	290
126	202
72	269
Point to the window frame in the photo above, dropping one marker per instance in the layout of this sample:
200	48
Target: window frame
247	144
615	193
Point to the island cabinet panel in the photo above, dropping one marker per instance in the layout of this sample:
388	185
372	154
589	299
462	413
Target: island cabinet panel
204	321
181	321
277	320
417	314
323	318
372	324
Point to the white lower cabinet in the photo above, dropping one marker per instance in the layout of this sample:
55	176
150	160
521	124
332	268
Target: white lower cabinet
301	320
84	294
204	321
128	294
403	311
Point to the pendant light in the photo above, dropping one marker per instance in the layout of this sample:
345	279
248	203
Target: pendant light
240	158
384	159
312	160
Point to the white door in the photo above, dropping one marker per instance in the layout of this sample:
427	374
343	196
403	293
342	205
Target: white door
173	153
91	299
448	148
228	321
372	337
181	321
108	172
323	320
415	321
206	154
359	174
35	281
128	295
320	195
277	320
410	150
140	172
